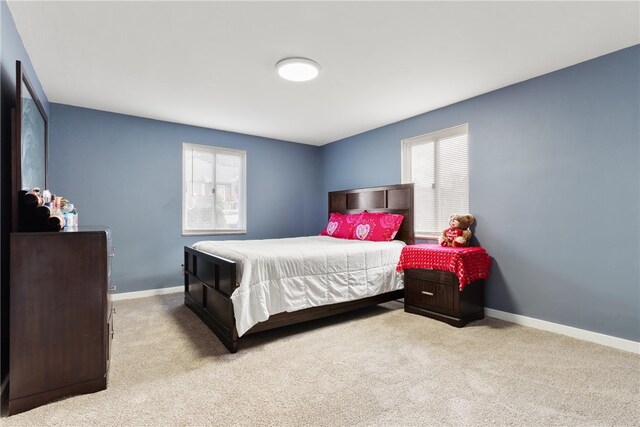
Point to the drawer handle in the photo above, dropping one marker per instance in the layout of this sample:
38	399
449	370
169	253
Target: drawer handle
427	293
112	288
112	255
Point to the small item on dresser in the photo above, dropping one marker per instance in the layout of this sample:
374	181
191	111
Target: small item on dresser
57	220
71	217
458	233
46	196
32	199
55	202
43	211
69	212
71	220
39	211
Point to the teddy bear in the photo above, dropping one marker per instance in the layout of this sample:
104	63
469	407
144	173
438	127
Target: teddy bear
458	233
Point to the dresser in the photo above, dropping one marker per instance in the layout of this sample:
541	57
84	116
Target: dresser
61	321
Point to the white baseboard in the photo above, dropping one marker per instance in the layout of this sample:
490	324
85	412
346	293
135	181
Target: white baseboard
570	331
147	293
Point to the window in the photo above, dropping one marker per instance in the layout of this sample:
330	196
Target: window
438	164
213	190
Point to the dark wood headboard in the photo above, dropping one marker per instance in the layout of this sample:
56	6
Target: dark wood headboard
396	199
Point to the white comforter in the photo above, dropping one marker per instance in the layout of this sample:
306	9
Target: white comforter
280	275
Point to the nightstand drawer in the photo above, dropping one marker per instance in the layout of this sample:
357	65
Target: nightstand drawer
427	294
430	275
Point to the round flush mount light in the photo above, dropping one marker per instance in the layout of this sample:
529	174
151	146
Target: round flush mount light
298	69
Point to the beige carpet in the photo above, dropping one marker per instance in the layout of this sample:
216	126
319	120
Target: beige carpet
379	366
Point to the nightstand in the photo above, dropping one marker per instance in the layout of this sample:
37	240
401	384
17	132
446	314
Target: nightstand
436	294
445	283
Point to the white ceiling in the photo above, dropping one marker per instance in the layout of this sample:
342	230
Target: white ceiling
211	64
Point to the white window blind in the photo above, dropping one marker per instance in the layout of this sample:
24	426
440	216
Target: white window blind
213	190
438	164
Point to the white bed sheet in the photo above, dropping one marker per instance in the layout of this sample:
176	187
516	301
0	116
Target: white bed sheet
278	275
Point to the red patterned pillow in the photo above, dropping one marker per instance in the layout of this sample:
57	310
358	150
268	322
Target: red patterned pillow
377	226
341	226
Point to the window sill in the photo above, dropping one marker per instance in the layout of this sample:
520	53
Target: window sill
213	232
427	237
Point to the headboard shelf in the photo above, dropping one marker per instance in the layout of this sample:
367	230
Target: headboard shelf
396	199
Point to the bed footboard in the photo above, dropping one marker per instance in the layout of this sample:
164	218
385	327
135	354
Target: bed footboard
209	282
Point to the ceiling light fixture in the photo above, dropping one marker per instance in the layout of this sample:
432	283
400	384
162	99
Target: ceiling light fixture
298	69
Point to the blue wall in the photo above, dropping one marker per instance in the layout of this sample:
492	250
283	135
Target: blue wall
554	185
126	172
11	50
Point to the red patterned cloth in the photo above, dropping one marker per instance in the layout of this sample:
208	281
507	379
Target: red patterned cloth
468	263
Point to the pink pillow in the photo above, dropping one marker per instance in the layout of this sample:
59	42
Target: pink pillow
341	226
377	226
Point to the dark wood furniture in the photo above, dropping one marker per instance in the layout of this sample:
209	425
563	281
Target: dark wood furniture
60	315
436	294
209	281
30	144
28	169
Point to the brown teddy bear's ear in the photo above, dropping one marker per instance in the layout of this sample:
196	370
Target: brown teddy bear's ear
471	219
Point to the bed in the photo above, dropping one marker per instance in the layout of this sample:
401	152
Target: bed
213	271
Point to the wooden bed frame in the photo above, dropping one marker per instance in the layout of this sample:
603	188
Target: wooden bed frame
209	280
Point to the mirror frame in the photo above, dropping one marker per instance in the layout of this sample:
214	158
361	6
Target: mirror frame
22	81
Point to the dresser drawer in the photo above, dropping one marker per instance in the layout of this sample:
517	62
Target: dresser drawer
422	293
431	275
